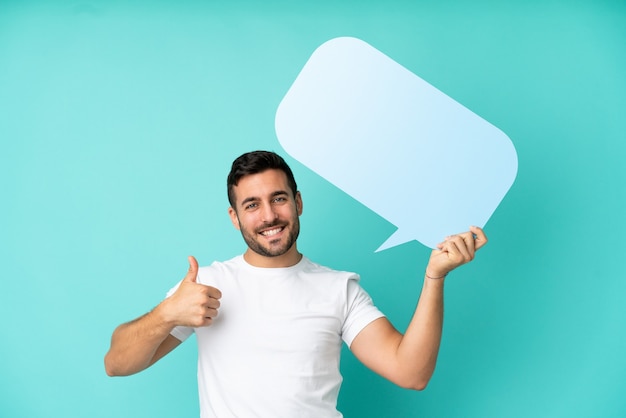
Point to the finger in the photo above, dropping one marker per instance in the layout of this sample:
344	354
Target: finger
206	322
469	243
460	246
213	303
451	252
214	293
192	273
479	237
211	313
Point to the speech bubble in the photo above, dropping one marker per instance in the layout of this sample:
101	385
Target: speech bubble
395	143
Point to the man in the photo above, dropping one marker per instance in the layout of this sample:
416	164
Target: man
274	348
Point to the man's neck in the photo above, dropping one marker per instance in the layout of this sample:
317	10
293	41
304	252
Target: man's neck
290	258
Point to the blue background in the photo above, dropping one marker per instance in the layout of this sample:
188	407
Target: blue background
118	123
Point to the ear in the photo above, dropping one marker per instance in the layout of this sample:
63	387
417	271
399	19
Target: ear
299	206
233	217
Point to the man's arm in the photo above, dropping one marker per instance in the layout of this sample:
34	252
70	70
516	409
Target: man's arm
138	344
409	360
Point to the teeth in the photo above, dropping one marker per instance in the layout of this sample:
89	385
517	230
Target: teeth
271	232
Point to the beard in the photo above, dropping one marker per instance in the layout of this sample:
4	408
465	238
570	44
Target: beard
275	247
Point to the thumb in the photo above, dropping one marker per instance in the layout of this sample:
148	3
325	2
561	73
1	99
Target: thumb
192	273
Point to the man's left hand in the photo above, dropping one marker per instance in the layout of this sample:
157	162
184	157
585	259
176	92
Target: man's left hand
455	251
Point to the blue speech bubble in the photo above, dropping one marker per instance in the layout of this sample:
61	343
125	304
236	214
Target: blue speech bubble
395	143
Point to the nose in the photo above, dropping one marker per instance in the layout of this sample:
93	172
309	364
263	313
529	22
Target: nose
269	214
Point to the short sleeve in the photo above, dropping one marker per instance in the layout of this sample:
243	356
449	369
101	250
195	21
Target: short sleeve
360	311
181	333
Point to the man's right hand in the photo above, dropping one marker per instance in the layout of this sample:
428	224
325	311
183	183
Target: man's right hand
193	304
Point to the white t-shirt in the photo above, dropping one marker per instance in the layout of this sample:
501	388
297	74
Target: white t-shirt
274	348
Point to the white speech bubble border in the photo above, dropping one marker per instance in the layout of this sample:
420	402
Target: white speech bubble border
344	60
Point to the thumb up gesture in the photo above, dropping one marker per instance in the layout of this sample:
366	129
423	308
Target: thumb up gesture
193	304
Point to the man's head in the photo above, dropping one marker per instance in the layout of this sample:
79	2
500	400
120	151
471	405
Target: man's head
265	207
253	163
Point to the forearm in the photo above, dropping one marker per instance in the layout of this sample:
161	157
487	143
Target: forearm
134	344
409	360
419	347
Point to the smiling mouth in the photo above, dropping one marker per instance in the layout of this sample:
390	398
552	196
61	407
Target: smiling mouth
272	232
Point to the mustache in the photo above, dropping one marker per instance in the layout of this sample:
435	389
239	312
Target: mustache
267	225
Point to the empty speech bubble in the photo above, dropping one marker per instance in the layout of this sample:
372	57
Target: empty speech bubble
404	149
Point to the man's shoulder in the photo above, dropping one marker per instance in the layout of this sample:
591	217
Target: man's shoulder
219	268
311	267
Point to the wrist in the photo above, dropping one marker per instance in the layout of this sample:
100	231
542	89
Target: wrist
163	314
434	276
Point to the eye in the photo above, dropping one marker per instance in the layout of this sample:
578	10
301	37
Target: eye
251	206
280	199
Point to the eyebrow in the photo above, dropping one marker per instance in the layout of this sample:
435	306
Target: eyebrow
255	198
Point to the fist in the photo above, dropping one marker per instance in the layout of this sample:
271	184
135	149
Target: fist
455	251
193	304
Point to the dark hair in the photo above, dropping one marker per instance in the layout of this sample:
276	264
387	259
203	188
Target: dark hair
253	163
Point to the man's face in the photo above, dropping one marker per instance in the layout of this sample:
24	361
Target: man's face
266	213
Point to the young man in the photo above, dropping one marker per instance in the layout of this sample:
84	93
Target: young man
274	348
